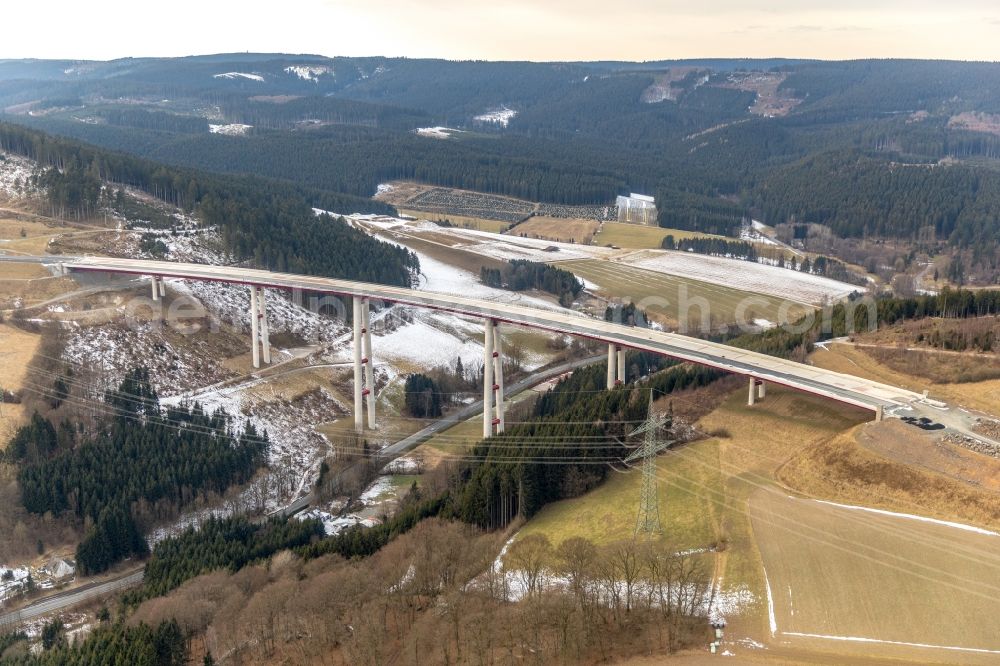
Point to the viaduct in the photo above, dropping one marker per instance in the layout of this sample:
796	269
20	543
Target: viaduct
758	368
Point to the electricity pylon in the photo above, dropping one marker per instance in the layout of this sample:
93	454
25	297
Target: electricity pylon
648	518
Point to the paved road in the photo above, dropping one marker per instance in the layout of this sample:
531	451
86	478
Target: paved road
837	386
72	597
393	451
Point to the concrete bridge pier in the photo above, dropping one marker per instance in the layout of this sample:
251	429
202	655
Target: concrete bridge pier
255	326
612	370
488	380
757	391
362	365
265	336
155	283
367	360
493	408
259	335
500	419
616	365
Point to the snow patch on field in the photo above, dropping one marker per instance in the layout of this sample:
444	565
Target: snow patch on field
438	132
429	347
910	516
729	603
444	278
501	116
744	275
485	243
308	72
239	75
859	639
232	129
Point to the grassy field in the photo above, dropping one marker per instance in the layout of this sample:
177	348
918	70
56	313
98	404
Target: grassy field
16	350
463	221
608	513
25	271
638	237
28	236
843	470
565	230
704	488
450	255
834	571
842	357
626	282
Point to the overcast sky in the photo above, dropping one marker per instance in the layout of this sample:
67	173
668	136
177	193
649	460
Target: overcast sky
506	29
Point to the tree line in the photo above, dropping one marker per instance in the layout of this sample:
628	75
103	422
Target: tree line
271	223
854	316
118	643
522	275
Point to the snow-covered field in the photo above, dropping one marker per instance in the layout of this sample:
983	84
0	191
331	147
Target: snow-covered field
501	116
239	75
485	243
744	275
438	132
309	72
232	129
426	346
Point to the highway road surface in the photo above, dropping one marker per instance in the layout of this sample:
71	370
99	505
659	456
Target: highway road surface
393	451
845	388
69	598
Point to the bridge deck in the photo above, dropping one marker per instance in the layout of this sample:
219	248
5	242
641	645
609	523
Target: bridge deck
837	386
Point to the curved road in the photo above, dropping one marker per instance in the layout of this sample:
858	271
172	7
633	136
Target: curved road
845	388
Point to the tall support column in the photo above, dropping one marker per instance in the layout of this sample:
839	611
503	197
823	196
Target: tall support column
751	398
265	337
612	371
879	413
156	289
621	366
488	380
163	287
368	360
761	390
498	376
255	326
359	424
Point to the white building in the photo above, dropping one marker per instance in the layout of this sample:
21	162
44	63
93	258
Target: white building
637	209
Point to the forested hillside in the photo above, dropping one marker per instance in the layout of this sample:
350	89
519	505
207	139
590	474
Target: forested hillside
889	149
269	222
142	465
